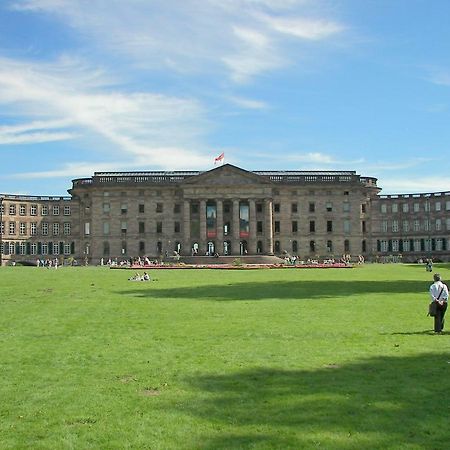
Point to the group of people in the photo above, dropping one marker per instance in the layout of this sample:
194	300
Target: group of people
439	294
138	277
48	263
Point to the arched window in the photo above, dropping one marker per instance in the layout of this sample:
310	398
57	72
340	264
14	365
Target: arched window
294	247
277	247
312	246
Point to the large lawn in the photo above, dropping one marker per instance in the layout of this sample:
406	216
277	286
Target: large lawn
222	359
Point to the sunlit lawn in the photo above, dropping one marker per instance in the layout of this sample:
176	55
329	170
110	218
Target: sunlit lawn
222	359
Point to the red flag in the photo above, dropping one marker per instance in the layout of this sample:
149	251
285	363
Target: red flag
219	158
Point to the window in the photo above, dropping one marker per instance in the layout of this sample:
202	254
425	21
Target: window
12	210
259	207
33	210
22	228
438	225
106	208
55	210
312	226
277	247
439	244
416	207
363	208
123	226
347	226
12	248
67	249
417	246
22	248
346	246
312	246
55	248
67	211
276	226
141	227
426	225
159	207
395	226
55	229
87	228
311	207
437	206
329	226
364	246
427	206
106	228
394	207
159	227
294	247
44	248
406	245
176	227
346	207
67	228
177	208
123	208
395	245
383	209
33	228
329	207
384	246
447	205
294	208
259	227
447	224
141	247
416	225
406	225
294	226
141	208
34	248
2	228
363	226
405	207
22	210
44	228
12	227
44	210
276	207
329	246
384	226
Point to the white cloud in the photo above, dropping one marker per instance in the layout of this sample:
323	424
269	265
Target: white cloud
412	185
248	103
245	37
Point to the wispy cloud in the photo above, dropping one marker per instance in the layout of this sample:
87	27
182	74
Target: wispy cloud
409	185
248	103
246	37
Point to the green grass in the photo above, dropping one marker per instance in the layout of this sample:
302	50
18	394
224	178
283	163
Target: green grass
209	359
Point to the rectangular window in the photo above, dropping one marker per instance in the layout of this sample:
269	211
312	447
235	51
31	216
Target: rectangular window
294	226
44	228
33	228
22	228
55	210
276	226
416	225
329	226
177	227
437	206
67	210
312	226
106	208
33	210
276	207
363	208
383	210
12	227
405	207
294	208
384	246
439	244
347	227
395	245
141	208
259	207
44	210
67	249
395	226
329	207
426	225
67	228
406	225
363	226
427	206
447	205
346	207
416	207
55	229
384	226
44	248
123	208
259	227
176	208
123	227
159	227
105	228
12	210
141	227
34	248
55	248
438	225
417	246
447	224
22	210
23	248
406	245
159	207
87	228
12	248
394	207
312	207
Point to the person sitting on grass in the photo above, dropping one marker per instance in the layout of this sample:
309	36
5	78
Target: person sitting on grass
136	277
146	277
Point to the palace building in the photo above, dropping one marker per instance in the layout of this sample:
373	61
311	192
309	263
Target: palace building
228	211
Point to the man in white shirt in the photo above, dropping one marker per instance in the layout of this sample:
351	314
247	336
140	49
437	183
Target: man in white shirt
439	294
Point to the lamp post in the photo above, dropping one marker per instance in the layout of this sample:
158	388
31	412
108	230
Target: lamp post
2	229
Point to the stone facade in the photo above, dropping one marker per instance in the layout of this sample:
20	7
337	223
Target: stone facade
226	210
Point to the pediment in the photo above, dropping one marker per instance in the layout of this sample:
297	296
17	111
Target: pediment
226	175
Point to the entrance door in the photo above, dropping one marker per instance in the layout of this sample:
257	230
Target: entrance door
211	248
243	250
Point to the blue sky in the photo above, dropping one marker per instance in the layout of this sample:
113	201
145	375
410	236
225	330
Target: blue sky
115	85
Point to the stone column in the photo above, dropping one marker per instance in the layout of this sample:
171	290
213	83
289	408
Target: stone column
203	238
236	223
253	238
268	229
219	224
186	250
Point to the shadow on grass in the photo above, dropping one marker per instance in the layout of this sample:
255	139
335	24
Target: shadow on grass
384	402
282	290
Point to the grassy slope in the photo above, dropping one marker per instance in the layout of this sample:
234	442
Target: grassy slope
211	359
